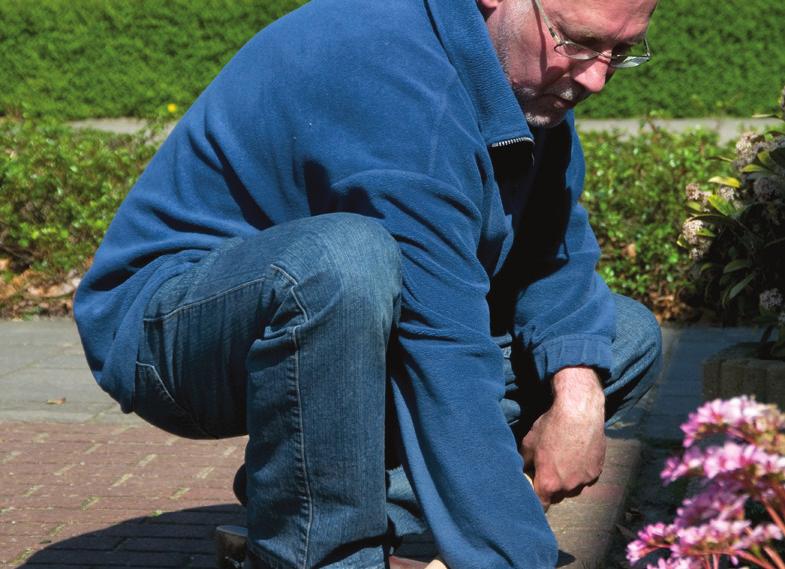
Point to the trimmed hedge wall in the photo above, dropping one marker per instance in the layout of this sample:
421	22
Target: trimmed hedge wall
104	58
60	188
636	201
709	58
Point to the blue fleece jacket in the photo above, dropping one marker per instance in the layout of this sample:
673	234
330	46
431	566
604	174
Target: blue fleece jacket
400	111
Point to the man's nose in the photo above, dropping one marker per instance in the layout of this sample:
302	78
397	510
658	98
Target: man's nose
593	74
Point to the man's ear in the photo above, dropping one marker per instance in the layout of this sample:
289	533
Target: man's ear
487	7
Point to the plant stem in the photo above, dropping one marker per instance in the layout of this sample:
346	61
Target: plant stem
753	559
774	516
774	556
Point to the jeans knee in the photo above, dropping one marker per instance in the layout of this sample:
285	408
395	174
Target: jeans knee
355	259
637	327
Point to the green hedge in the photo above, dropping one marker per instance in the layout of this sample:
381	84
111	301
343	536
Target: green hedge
710	58
635	197
92	58
106	58
59	189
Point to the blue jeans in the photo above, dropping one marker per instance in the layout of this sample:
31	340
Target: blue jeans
283	336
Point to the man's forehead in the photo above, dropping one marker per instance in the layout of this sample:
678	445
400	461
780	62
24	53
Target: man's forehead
618	18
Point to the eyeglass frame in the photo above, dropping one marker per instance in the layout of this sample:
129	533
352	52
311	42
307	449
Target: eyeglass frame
593	53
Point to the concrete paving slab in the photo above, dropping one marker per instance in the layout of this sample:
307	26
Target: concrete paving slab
54	331
727	128
679	390
115	416
43	415
19	357
35	384
71	360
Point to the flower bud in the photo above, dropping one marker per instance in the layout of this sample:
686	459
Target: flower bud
770	300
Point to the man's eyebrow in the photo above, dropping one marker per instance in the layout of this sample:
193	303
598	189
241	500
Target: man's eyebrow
582	34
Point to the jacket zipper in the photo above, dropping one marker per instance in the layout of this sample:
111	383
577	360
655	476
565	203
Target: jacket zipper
511	141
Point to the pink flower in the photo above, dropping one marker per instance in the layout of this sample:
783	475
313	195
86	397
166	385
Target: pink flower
748	465
743	462
691	463
721	500
650	538
716	536
741	417
676	563
760	535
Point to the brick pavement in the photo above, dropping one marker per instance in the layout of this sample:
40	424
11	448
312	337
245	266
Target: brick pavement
102	495
82	485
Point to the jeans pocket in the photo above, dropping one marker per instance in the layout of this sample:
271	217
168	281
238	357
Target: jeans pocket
154	404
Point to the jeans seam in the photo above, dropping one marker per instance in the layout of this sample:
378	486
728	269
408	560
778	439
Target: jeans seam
190	305
293	283
301	427
162	386
303	453
273	562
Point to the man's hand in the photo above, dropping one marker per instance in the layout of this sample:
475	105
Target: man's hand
403	563
565	448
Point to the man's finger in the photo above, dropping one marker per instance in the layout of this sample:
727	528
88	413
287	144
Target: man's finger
403	563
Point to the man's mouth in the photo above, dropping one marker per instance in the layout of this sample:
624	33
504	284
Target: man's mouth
562	103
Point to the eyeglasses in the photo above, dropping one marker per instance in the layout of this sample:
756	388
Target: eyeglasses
619	58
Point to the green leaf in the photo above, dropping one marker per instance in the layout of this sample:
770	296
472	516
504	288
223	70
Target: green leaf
773	243
695	206
740	286
722	205
725	181
722	159
714	218
751	168
737	265
778	155
765	158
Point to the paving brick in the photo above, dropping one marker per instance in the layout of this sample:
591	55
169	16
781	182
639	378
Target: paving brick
89	543
167	544
203	531
112	558
202	561
34	528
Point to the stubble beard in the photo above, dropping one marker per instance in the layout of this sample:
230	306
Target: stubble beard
537	107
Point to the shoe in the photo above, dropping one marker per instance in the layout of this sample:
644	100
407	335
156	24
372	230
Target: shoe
239	485
230	546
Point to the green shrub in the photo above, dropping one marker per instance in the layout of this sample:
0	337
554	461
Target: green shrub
635	197
106	58
710	58
59	189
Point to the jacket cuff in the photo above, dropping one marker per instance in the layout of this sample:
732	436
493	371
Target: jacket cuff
575	350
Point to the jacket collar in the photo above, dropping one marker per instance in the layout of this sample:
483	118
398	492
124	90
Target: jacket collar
464	35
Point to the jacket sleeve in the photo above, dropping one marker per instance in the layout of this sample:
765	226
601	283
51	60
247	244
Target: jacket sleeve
564	312
447	377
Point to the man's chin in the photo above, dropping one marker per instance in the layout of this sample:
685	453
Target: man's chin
548	119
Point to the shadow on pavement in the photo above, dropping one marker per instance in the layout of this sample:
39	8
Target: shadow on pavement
179	539
182	538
